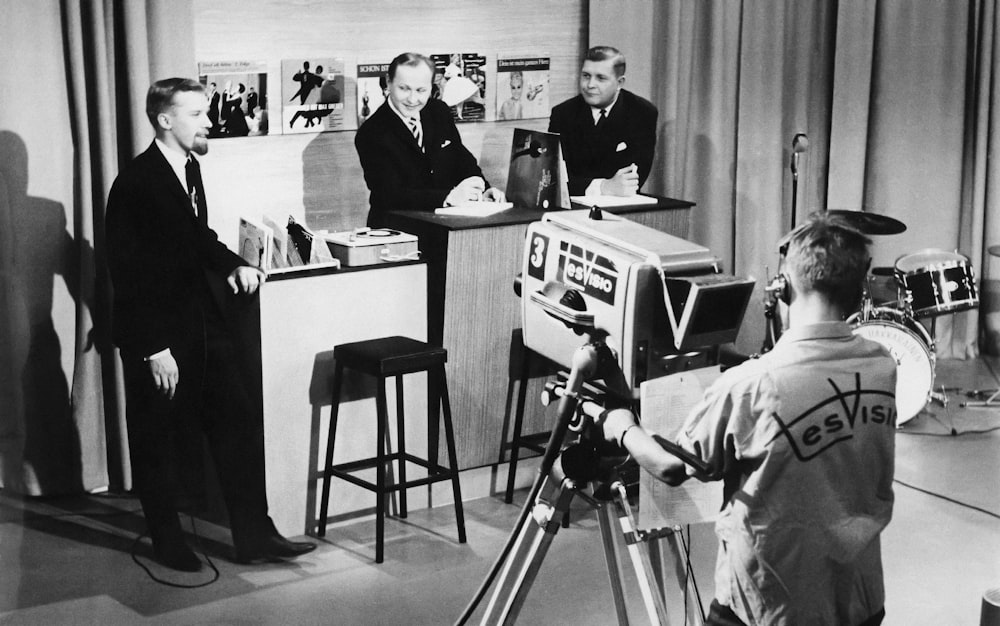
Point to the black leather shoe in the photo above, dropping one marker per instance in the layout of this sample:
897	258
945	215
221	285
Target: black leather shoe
273	548
176	554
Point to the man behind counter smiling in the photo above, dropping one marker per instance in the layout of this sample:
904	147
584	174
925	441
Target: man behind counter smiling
608	134
410	149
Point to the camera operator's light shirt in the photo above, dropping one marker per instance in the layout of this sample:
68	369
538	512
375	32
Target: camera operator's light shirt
804	439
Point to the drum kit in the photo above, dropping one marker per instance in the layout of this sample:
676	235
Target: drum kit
929	283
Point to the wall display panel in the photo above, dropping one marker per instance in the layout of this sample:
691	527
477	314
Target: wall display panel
316	177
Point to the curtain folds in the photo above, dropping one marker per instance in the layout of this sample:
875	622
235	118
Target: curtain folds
895	97
62	426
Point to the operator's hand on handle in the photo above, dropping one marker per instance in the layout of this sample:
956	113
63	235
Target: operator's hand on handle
614	423
625	182
620	427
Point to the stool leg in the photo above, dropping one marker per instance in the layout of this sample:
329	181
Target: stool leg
383	421
449	435
338	372
401	444
433	432
515	439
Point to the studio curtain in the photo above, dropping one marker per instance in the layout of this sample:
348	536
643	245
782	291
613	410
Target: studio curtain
896	100
73	89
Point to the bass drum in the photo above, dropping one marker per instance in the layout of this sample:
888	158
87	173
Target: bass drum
912	348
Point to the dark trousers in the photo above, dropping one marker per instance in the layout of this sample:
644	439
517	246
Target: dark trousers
166	438
721	615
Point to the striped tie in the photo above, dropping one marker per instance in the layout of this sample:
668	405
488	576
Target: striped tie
415	131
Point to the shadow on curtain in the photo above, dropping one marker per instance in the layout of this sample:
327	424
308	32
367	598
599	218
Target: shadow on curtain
62	428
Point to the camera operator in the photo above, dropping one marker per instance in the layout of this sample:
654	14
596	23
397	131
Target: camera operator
803	439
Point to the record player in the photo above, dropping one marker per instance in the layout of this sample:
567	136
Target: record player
371	246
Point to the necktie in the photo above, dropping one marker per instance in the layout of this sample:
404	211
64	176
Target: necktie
192	172
416	131
603	117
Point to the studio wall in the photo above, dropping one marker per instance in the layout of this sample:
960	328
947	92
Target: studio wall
317	177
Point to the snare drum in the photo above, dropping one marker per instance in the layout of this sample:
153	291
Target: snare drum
936	282
912	348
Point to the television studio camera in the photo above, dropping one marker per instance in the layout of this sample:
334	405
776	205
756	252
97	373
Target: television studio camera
615	304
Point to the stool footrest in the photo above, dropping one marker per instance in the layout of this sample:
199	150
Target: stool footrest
443	474
370	462
535	442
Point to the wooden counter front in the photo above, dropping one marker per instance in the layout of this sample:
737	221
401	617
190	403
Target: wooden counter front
472	309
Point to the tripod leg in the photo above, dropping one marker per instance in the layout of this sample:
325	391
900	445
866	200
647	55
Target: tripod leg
613	559
638	551
522	565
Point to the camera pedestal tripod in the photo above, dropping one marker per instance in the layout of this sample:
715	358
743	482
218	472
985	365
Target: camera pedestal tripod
550	498
537	535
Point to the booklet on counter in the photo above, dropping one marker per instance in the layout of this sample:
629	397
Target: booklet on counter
475	209
611	201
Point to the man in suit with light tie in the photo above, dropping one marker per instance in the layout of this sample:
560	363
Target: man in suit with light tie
412	155
184	378
607	134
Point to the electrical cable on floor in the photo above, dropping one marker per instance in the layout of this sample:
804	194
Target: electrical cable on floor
153	576
689	572
952	433
947	499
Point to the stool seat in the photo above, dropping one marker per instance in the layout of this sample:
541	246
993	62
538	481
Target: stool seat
389	356
384	358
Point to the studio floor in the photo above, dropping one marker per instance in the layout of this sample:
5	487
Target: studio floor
69	561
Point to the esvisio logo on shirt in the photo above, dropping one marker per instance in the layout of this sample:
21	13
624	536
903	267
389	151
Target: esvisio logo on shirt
837	418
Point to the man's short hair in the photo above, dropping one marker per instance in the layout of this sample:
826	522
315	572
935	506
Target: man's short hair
410	59
160	96
828	256
606	53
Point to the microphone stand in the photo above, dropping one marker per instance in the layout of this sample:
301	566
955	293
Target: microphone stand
795	185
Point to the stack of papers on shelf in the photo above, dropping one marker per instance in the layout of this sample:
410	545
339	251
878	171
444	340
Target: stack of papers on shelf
475	208
606	201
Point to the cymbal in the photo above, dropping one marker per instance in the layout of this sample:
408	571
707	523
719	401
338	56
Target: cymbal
994	250
869	223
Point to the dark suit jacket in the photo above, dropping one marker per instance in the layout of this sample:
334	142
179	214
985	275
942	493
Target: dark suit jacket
161	258
168	270
594	153
399	176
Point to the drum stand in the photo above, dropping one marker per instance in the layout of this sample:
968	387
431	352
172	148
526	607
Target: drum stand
940	397
983	404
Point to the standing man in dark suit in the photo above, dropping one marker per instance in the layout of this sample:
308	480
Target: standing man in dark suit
410	149
183	376
608	134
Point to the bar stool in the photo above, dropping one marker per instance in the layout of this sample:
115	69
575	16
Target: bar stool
384	358
523	365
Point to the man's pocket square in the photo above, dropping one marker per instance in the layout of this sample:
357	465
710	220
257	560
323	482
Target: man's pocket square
447	142
621	146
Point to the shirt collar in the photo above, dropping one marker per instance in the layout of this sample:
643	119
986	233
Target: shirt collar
596	111
176	160
405	118
819	330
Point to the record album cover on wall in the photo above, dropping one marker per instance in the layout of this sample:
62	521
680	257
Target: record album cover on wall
237	97
312	94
